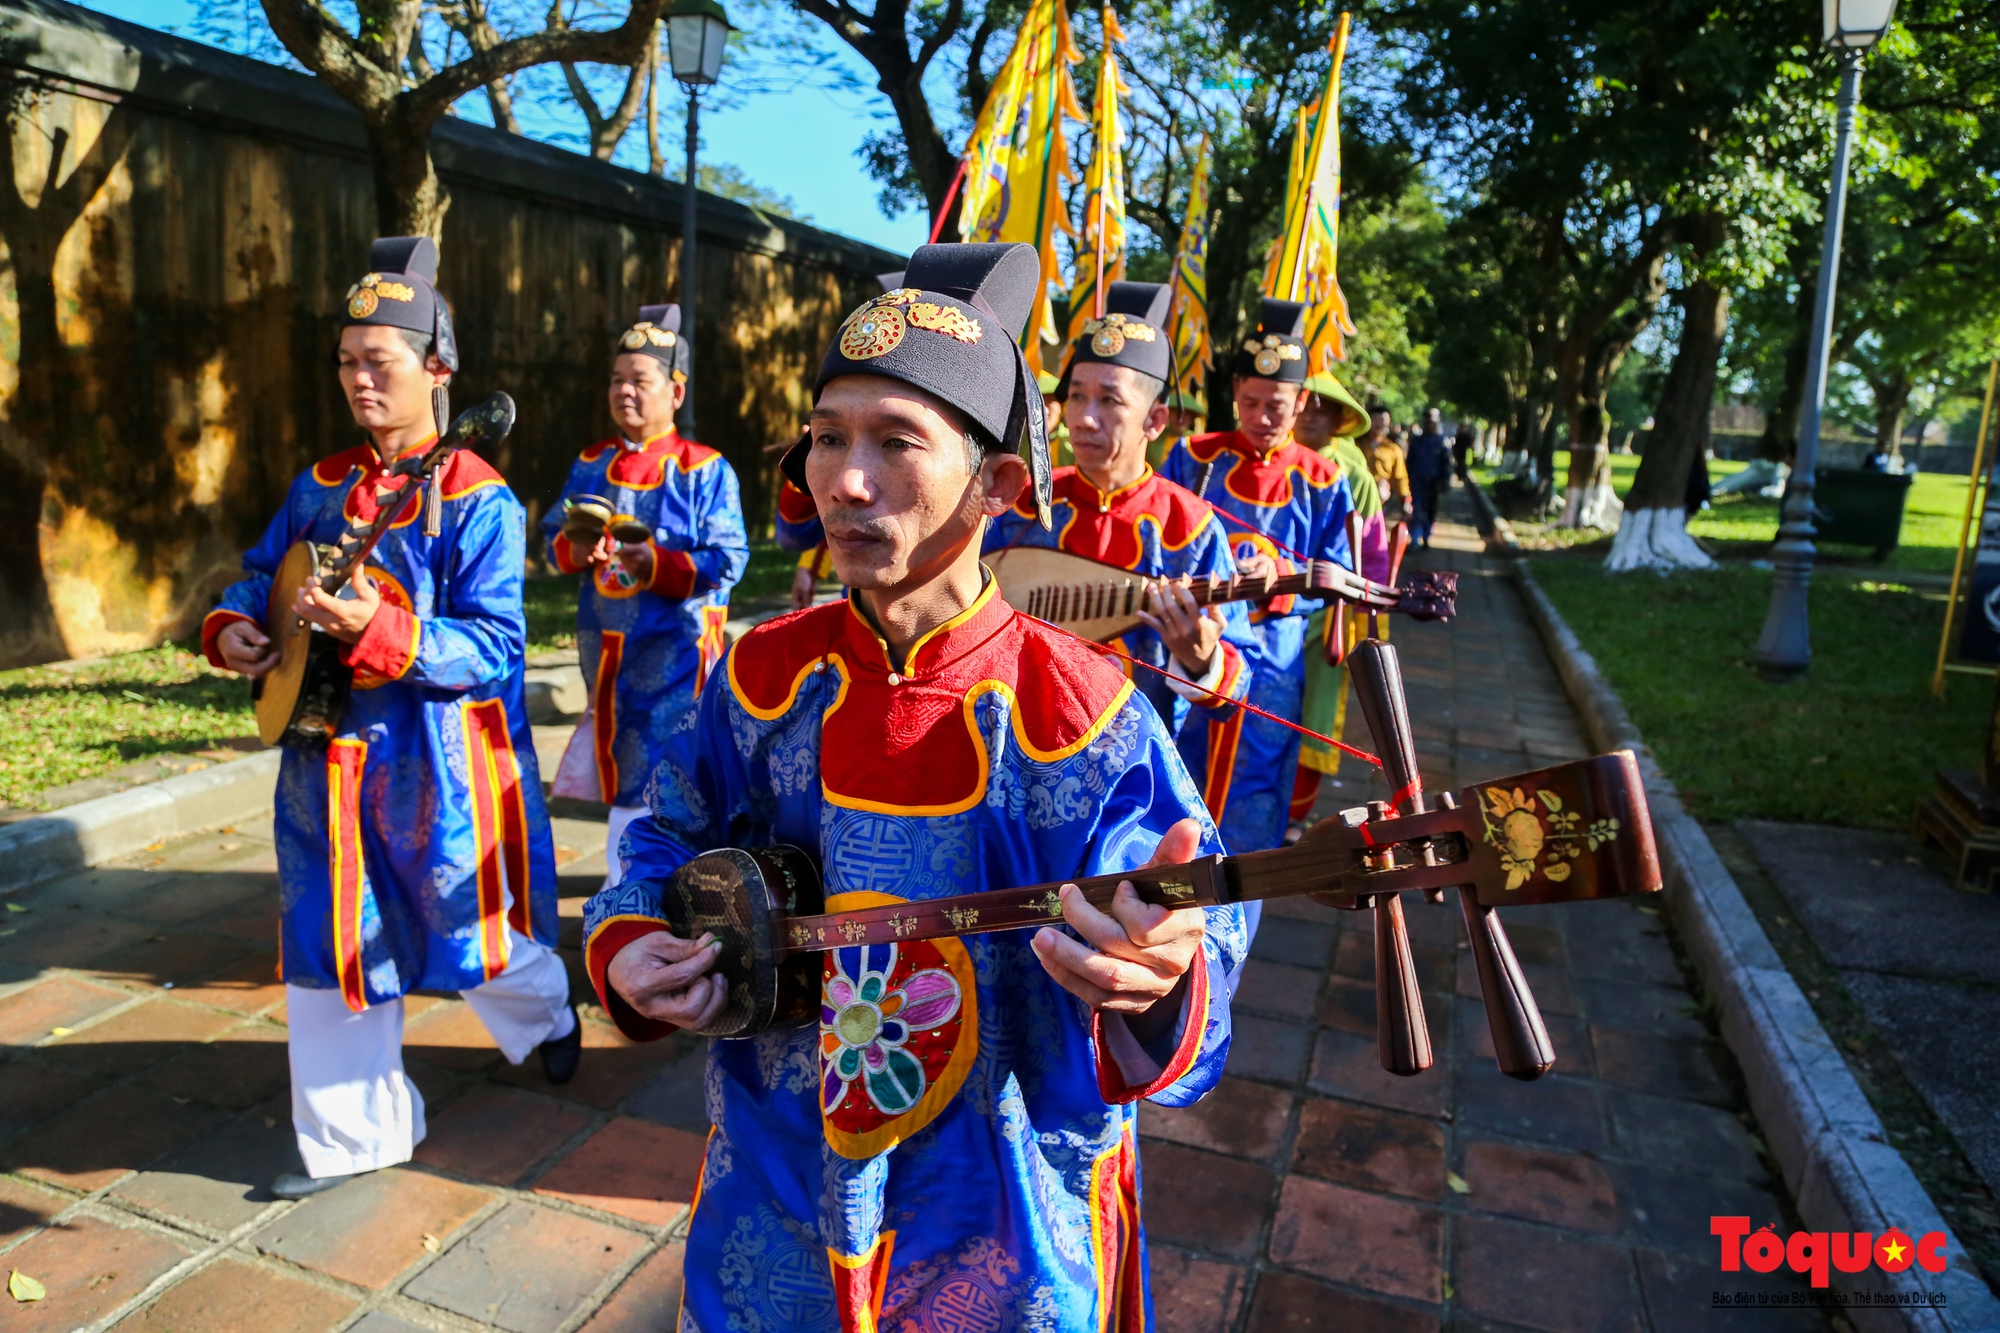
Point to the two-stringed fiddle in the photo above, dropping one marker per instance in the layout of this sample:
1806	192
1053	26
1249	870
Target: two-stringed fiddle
1100	602
1565	834
300	700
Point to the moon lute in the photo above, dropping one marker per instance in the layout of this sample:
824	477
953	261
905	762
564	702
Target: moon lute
1570	833
300	700
1100	601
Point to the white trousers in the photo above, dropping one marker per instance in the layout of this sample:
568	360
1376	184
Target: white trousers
621	815
352	1106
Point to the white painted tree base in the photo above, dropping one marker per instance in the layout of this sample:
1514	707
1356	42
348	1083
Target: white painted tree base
1592	507
1655	539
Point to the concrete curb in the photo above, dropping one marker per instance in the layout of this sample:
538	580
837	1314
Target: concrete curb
92	832
1829	1143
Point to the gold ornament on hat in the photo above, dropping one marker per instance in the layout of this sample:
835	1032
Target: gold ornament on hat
362	303
1291	352
633	340
948	320
396	291
1266	361
1109	334
872	331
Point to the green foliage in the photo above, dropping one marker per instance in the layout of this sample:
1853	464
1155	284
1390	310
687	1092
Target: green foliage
1853	742
65	724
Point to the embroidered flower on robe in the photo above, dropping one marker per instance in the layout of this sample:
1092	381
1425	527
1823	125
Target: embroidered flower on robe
870	1009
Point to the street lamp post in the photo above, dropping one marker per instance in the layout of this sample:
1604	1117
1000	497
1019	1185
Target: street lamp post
696	33
1784	649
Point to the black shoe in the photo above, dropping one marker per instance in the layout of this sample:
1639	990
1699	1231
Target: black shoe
294	1185
560	1055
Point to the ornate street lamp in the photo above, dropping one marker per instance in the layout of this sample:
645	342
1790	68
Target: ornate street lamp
697	30
1784	649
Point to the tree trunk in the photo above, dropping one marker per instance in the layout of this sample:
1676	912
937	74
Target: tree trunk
1892	399
1653	534
410	200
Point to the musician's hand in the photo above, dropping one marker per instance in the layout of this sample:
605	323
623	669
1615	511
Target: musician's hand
1190	631
345	618
804	585
638	562
604	552
1256	569
665	978
245	649
1136	954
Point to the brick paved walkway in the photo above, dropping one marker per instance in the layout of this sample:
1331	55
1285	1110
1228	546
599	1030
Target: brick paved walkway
143	1104
1315	1191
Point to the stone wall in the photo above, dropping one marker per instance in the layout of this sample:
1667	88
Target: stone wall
179	227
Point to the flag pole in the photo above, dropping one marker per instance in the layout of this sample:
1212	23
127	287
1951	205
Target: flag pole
957	178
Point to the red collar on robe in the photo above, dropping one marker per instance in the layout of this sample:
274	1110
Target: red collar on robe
907	742
1105	526
645	467
361	468
1261	479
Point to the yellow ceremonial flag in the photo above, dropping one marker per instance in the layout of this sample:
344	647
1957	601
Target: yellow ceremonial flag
1027	204
1187	320
1303	263
1100	259
990	146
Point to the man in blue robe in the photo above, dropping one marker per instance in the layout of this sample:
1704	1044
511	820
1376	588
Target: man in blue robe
957	1134
413	849
649	613
1283	505
1113	508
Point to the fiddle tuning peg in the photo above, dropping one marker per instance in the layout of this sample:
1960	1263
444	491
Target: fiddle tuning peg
433	507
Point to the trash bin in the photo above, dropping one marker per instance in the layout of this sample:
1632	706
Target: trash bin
1860	507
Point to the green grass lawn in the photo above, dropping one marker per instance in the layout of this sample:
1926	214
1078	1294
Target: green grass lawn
1853	742
66	724
1929	537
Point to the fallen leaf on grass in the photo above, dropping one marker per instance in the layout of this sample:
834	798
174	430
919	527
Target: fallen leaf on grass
60	1032
432	1243
1457	1183
16	907
24	1288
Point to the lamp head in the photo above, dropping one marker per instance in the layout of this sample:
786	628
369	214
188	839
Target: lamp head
697	31
1856	25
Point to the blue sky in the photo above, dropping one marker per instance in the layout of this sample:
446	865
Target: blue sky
799	143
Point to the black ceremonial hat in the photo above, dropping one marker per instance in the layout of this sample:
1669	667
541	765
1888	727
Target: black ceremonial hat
1132	331
1277	350
950	330
398	292
657	333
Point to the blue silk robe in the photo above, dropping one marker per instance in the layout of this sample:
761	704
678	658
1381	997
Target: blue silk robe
1287	504
1154	528
973	1163
409	845
645	651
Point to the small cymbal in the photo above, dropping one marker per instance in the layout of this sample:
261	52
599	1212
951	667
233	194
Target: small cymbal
629	531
